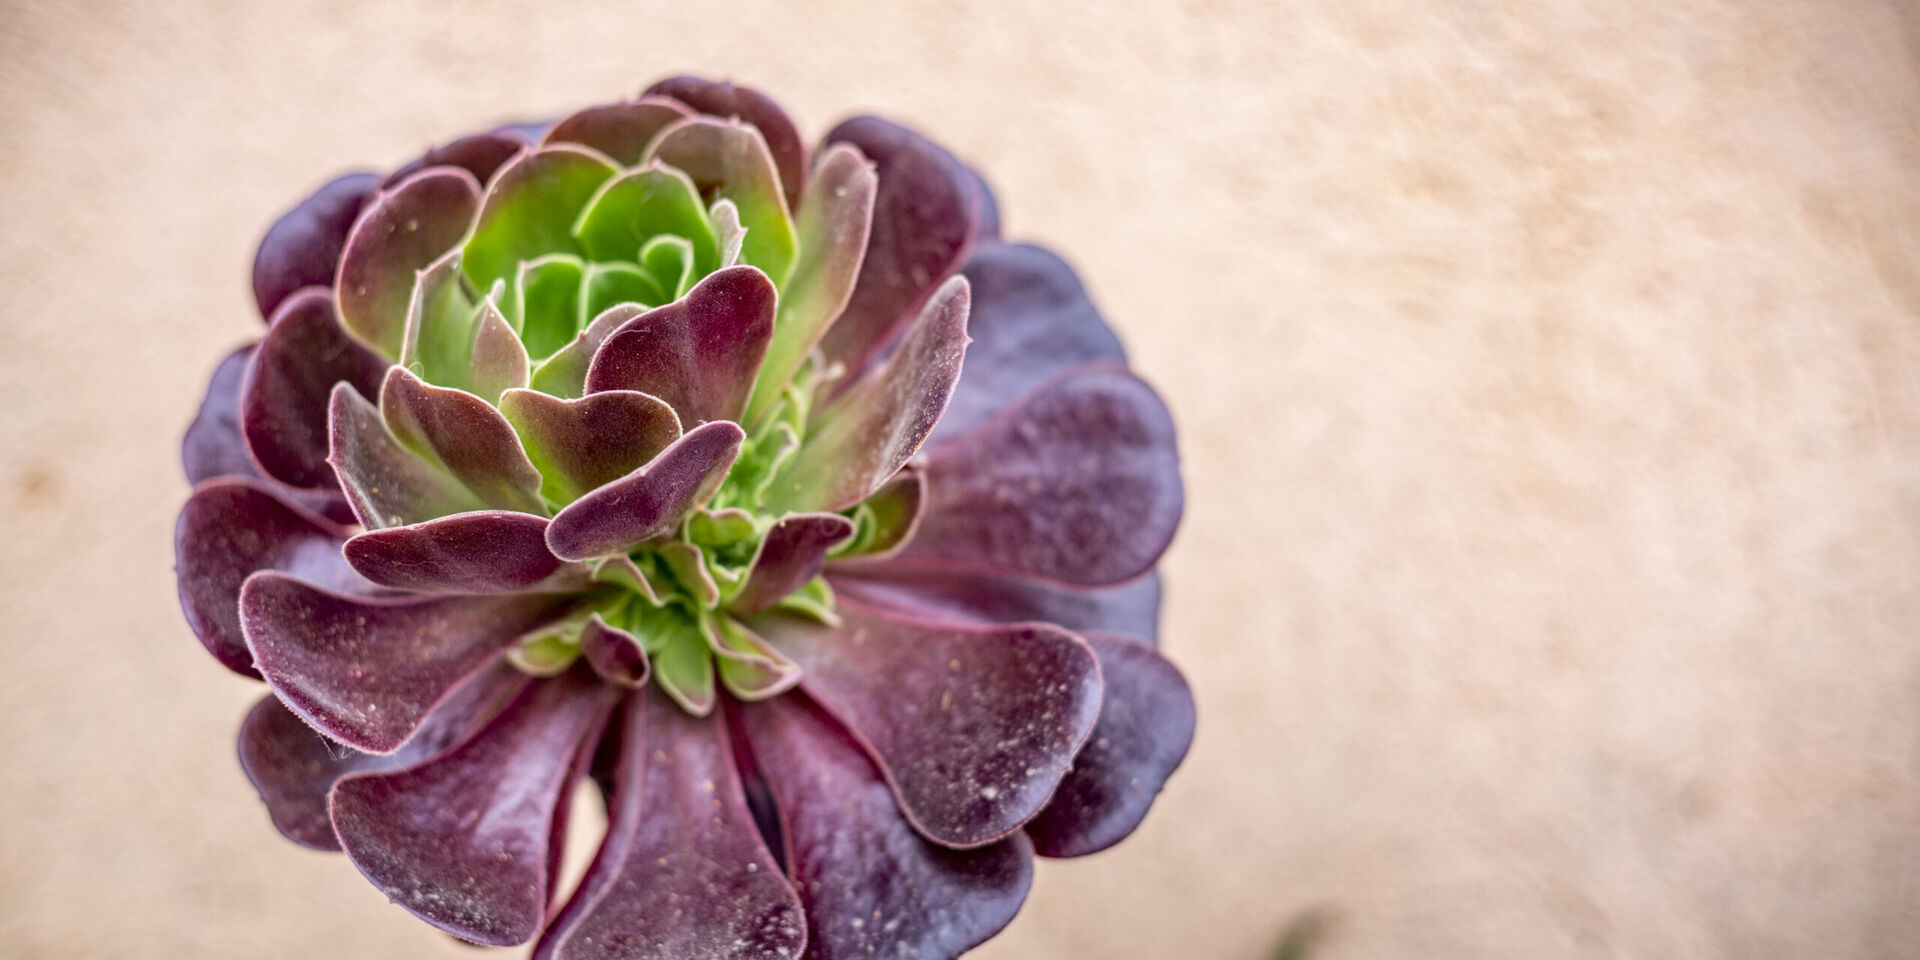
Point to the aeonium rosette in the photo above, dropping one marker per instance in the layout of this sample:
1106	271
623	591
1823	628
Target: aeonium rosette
640	448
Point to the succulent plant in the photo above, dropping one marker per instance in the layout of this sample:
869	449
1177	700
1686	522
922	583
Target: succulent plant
639	448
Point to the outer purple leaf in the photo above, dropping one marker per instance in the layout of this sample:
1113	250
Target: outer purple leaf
923	223
1031	320
973	726
366	671
481	155
387	484
469	841
213	446
614	654
1146	725
871	885
699	353
723	99
302	248
404	229
794	551
581	444
464	435
232	527
283	399
619	130
1132	608
487	551
649	501
1079	483
872	429
682	872
293	767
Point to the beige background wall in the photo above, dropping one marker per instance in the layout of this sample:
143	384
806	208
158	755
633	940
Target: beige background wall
1550	380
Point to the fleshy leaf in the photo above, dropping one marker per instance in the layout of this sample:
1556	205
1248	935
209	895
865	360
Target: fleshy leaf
750	667
404	229
1132	608
609	285
213	446
729	160
565	373
580	445
293	767
682	872
729	234
487	551
1079	483
283	399
698	353
500	361
723	99
1031	320
871	885
465	436
923	223
619	130
833	228
682	662
482	155
438	343
1145	727
870	431
620	570
530	208
688	564
644	203
366	671
973	726
302	248
468	840
614	654
232	527
550	290
669	260
387	484
887	520
649	501
794	552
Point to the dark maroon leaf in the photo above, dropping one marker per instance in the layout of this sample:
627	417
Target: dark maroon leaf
293	767
485	551
283	398
232	527
469	840
699	353
682	871
464	435
973	726
794	551
723	99
649	501
481	155
1132	608
1079	483
614	654
405	228
387	484
302	248
871	885
619	130
366	671
923	223
1145	727
213	446
581	444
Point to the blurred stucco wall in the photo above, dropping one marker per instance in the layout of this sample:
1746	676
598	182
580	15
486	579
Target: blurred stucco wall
1550	383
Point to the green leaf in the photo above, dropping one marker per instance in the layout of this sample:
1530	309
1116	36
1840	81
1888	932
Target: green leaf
440	324
729	160
669	259
548	309
814	601
530	209
642	204
612	284
682	660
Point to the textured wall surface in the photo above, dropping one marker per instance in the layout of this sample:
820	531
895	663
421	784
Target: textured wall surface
1550	380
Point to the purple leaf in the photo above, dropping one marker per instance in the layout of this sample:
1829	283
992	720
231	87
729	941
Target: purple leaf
481	155
614	654
1145	727
973	726
699	353
1079	483
873	428
283	398
923	223
794	551
387	484
722	99
469	841
1031	320
487	551
729	160
649	501
302	248
619	130
293	767
871	885
579	445
464	435
500	362
404	229
1132	608
213	446
986	209
232	527
366	671
682	871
